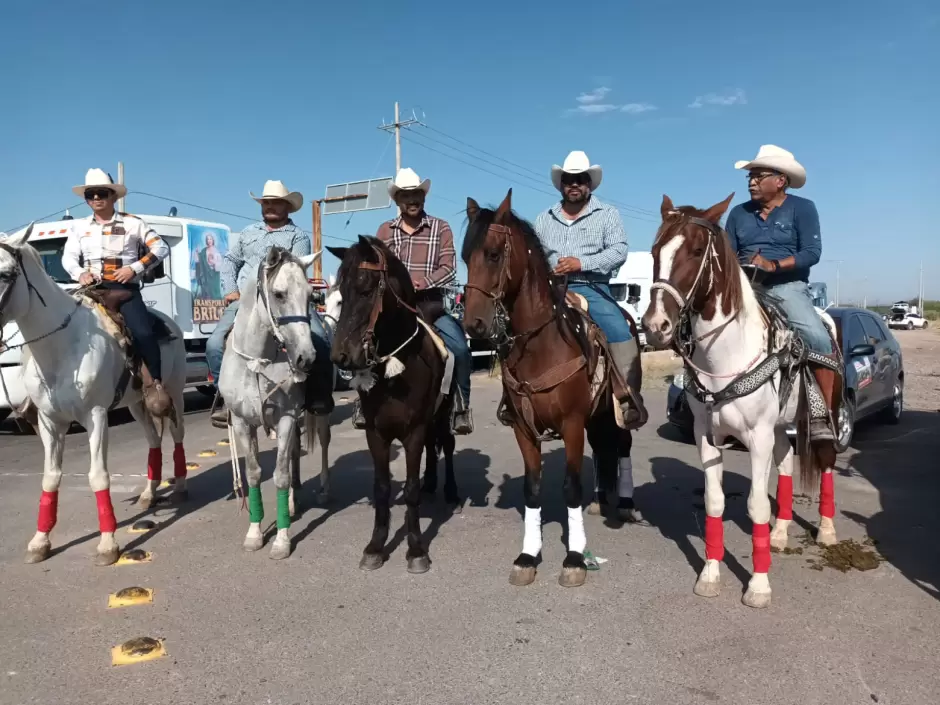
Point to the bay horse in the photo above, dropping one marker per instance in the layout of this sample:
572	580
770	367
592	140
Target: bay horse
401	376
544	355
74	370
741	365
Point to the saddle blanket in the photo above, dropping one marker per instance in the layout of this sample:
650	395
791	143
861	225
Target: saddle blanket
448	363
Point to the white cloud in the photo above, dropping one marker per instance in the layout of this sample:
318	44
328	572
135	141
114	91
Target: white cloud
736	97
637	108
594	108
595	96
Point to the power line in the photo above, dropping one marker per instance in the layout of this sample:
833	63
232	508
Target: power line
44	217
540	176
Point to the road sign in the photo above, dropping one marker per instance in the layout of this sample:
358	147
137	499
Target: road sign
357	196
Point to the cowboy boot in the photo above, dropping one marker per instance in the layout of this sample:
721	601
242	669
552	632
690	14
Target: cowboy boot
504	412
358	420
219	413
626	356
156	400
462	421
829	385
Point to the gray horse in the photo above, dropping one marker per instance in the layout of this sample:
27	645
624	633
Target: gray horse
264	380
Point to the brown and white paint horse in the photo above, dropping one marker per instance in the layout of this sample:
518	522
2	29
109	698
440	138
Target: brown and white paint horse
697	277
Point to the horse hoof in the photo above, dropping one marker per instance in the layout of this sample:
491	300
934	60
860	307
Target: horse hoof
707	589
253	543
520	576
108	557
572	577
630	516
280	550
757	600
594	509
38	555
778	543
826	538
145	501
323	498
371	561
419	564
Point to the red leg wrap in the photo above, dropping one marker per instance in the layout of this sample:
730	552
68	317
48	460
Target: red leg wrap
784	496
179	461
48	511
106	521
827	496
155	464
714	538
761	546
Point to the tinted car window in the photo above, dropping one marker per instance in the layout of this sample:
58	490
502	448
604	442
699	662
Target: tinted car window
852	333
885	331
872	329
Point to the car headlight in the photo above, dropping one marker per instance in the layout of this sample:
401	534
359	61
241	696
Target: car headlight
679	379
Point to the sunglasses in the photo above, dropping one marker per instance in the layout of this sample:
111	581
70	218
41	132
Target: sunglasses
759	176
576	180
100	193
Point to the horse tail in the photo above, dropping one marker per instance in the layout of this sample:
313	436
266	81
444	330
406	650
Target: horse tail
810	470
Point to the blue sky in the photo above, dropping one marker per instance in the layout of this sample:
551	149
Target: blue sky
205	100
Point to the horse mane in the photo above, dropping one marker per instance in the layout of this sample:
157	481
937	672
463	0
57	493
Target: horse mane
365	251
732	295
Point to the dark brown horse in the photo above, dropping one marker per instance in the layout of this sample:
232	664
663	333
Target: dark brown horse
547	363
399	375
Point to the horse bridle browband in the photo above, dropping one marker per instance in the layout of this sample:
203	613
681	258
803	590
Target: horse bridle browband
369	344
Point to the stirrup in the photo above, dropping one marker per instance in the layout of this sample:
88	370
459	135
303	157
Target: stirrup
504	413
358	420
462	430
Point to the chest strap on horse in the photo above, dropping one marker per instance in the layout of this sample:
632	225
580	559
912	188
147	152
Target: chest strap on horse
543	383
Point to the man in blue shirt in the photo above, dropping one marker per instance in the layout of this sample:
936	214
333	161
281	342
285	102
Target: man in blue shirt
585	241
242	262
778	233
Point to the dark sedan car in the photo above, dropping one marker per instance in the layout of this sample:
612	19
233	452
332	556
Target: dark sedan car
874	376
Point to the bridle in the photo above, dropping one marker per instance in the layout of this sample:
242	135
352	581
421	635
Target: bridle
370	345
710	262
501	335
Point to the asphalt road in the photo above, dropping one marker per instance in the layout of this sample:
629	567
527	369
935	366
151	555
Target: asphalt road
240	628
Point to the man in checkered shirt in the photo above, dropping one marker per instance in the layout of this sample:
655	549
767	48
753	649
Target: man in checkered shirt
425	245
115	250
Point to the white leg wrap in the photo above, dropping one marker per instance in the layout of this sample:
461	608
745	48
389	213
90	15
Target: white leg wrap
532	541
626	477
577	541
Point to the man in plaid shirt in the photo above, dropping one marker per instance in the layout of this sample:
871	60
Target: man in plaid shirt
425	245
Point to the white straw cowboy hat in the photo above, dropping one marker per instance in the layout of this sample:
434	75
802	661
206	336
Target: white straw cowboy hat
577	163
773	157
277	191
98	178
408	180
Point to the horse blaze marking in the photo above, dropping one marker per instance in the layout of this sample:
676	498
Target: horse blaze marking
143	648
142	527
136	556
130	596
207	454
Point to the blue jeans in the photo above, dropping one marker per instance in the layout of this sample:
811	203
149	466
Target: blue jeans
456	342
797	302
139	322
215	345
604	311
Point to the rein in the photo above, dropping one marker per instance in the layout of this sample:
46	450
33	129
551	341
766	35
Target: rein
370	345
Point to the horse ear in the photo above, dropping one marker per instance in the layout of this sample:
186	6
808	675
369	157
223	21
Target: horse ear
19	239
338	252
363	240
310	259
473	209
274	256
714	213
666	208
505	207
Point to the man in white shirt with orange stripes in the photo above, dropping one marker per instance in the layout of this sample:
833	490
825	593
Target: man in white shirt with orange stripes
116	250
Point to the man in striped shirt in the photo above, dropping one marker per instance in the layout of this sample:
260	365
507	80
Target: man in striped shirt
425	245
585	241
242	262
116	250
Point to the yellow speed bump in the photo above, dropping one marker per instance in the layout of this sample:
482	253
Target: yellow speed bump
223	442
130	596
138	555
166	484
207	454
143	648
192	466
142	526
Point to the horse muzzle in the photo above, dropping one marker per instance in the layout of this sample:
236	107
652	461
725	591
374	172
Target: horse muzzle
660	329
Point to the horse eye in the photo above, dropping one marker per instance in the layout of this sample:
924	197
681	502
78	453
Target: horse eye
279	295
699	251
492	255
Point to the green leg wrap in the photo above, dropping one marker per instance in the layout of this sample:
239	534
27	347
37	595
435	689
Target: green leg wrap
283	509
255	507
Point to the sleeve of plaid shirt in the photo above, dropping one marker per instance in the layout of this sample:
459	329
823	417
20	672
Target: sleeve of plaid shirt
445	272
156	249
615	249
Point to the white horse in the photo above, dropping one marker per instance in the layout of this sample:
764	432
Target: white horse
698	279
263	381
73	366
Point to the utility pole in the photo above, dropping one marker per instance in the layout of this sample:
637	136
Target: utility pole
120	203
920	291
396	126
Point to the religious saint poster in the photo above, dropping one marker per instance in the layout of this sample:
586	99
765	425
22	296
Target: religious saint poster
207	247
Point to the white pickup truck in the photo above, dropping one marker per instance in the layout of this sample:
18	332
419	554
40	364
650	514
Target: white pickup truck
172	294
